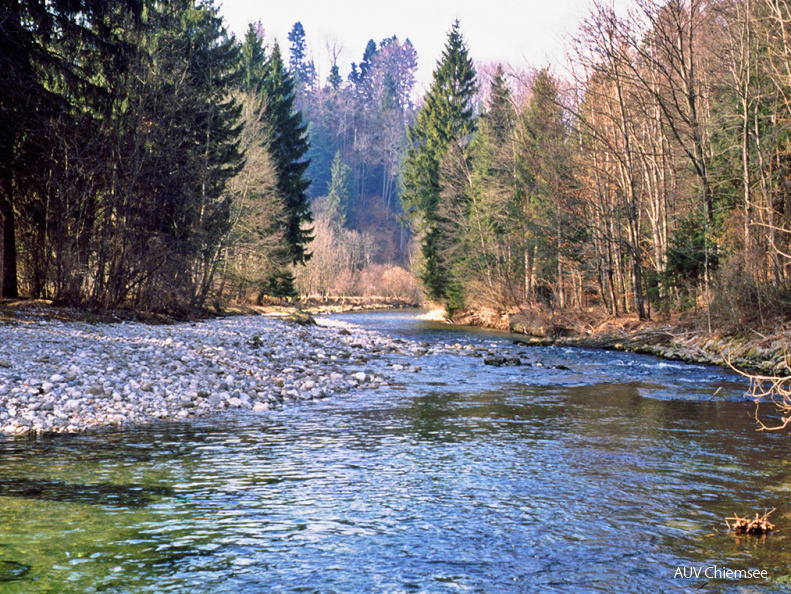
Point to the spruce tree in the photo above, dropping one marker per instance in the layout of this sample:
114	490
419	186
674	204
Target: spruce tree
446	117
288	147
51	57
252	59
297	49
302	69
338	194
548	161
334	78
213	74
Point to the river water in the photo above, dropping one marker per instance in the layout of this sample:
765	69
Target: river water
610	476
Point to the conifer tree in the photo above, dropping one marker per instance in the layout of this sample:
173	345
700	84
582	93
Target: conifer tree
334	79
302	70
289	144
253	59
549	159
214	74
338	194
297	49
446	117
48	72
493	230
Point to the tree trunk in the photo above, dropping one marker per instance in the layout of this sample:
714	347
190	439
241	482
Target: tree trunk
9	285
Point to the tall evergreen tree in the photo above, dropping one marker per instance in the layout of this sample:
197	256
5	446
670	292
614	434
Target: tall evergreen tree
338	191
334	79
50	53
214	74
549	159
494	233
446	117
297	48
364	84
302	70
288	147
252	59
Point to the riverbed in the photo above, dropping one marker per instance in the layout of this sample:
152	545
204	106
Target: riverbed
576	471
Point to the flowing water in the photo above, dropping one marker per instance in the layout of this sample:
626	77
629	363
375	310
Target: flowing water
607	477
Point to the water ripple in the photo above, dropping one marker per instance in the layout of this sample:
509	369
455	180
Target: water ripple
468	480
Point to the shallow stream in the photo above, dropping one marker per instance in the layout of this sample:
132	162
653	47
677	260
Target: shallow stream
607	476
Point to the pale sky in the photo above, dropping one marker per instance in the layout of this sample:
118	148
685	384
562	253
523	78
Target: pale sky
527	33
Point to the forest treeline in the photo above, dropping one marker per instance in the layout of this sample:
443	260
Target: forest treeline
149	159
654	177
357	124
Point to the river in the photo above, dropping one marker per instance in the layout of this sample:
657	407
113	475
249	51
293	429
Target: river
608	476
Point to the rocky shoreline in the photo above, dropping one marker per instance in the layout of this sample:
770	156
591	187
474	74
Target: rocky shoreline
768	355
59	377
70	376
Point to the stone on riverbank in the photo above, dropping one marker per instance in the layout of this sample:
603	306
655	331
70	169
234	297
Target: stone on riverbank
71	376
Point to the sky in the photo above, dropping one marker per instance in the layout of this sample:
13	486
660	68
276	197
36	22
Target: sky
522	33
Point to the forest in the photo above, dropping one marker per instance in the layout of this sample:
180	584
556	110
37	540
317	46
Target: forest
653	178
151	160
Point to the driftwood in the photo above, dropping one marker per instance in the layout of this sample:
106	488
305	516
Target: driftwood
755	527
771	388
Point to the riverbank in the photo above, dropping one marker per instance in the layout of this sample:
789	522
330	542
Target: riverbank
677	340
63	371
62	374
71	376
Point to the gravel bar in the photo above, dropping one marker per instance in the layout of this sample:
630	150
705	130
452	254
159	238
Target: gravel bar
58	377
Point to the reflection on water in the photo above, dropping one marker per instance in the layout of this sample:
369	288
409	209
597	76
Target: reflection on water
497	480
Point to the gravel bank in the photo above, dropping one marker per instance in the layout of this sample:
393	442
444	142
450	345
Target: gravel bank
68	377
755	353
71	376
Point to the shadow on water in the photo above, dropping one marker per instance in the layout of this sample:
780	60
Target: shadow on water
11	571
130	496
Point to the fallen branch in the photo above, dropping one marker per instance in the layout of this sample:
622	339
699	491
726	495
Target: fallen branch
755	527
768	387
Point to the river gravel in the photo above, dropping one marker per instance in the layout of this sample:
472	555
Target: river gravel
70	377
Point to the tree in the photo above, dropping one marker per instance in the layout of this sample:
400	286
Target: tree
447	117
214	73
488	202
608	117
297	49
288	146
550	162
302	69
338	191
252	58
334	79
48	68
254	249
